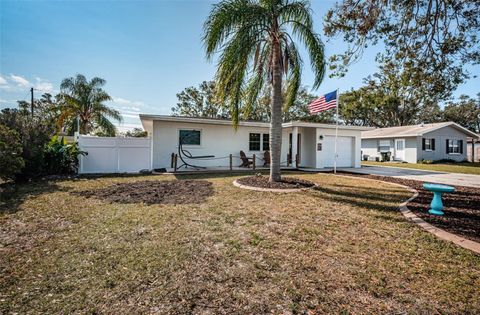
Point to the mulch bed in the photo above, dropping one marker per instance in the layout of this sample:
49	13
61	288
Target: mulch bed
285	183
154	192
462	207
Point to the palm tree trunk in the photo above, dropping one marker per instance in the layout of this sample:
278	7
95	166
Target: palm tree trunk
276	119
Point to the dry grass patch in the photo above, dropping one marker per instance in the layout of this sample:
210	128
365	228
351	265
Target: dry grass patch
342	247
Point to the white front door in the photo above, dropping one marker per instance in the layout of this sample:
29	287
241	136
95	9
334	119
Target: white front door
399	149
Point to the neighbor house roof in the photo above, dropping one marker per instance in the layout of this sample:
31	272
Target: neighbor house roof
146	118
413	130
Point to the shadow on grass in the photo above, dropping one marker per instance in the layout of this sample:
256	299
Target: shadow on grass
11	203
364	198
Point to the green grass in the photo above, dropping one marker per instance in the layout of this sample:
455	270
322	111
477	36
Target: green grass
460	167
343	248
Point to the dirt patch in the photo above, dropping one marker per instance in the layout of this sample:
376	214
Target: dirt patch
154	192
285	183
462	207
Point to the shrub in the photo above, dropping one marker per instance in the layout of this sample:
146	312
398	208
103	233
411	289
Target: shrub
34	133
11	161
425	161
61	157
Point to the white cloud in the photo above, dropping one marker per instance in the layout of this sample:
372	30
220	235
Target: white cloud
43	85
7	101
3	81
20	81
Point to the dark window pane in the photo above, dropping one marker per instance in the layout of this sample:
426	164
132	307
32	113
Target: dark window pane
266	142
254	142
190	137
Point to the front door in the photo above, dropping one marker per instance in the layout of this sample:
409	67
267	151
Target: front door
399	149
291	158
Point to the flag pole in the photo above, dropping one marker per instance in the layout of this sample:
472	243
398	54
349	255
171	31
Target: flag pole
336	135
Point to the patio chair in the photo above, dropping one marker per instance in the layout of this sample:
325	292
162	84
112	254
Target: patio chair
266	158
246	161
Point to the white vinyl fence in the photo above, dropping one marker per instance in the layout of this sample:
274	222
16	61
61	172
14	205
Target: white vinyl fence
114	154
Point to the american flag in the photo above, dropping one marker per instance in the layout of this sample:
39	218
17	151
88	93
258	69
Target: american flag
324	102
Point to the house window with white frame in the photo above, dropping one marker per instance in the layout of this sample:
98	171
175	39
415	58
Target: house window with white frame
454	146
189	137
254	142
428	144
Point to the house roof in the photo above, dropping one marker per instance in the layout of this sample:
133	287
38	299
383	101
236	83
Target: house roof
147	118
413	130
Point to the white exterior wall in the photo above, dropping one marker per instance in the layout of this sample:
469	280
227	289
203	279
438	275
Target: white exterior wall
440	153
114	154
223	140
356	143
370	147
217	140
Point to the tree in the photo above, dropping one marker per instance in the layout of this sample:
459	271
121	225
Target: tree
84	100
200	102
437	37
395	96
465	112
34	132
11	161
136	133
257	48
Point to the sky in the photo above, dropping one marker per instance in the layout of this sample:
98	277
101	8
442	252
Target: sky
147	51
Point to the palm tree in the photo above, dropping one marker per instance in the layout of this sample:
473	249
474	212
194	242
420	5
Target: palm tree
84	100
255	38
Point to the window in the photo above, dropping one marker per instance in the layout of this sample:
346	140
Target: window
189	137
428	144
266	142
254	142
383	145
454	146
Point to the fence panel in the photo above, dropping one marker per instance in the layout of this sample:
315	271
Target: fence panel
114	154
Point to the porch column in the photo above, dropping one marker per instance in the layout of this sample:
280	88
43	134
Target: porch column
294	144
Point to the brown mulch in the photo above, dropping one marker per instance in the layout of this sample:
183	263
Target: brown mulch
462	207
285	183
154	192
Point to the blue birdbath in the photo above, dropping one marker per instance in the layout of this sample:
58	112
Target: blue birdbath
436	206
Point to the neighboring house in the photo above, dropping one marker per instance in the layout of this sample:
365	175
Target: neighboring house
473	150
439	141
313	142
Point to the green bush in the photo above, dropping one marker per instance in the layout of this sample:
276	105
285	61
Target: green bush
425	161
11	161
34	132
61	157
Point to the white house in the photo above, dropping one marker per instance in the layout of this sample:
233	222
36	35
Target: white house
439	141
217	139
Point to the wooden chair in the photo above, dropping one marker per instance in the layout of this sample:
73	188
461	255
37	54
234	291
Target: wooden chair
246	161
266	158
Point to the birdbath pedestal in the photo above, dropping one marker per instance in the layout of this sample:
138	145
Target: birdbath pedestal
436	206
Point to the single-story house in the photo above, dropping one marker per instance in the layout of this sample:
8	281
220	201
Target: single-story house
438	141
216	139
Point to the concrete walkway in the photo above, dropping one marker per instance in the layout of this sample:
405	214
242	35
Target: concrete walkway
454	179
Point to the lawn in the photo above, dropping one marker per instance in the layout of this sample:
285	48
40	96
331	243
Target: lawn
461	167
342	248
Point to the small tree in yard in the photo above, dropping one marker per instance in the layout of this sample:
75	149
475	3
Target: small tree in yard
11	161
256	37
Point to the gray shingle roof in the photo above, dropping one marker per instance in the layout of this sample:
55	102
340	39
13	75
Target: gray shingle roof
411	131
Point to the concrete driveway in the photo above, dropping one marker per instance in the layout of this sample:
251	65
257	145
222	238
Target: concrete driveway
420	175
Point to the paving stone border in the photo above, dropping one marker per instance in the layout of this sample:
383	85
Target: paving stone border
277	190
440	233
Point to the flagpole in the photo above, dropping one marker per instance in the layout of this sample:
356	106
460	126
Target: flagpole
336	136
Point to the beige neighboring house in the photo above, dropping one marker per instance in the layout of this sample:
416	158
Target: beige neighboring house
439	141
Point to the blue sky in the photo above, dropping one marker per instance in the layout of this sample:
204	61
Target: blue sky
146	50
